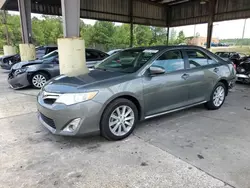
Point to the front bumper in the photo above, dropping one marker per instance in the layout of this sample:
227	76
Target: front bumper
55	117
5	66
231	83
239	76
19	81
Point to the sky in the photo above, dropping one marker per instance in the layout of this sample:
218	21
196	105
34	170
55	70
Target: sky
221	30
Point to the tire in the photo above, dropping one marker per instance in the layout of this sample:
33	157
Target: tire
38	80
110	126
212	105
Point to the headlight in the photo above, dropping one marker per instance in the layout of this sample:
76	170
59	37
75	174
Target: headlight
242	70
20	71
73	98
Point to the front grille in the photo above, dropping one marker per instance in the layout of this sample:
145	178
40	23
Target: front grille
48	121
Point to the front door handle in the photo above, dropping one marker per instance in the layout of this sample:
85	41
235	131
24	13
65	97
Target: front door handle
216	70
185	76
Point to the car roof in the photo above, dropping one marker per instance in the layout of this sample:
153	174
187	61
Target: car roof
85	49
226	52
164	47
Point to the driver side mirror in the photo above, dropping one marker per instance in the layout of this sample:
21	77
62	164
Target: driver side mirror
156	70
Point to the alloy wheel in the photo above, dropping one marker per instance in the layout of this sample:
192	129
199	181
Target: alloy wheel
39	80
218	96
121	120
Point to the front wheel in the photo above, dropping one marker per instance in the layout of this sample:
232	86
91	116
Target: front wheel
217	97
39	79
119	119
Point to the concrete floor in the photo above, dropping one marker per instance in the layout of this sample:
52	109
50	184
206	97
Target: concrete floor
191	148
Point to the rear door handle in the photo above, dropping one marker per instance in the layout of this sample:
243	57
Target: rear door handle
185	76
216	70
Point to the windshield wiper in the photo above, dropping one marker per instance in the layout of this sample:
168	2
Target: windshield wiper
98	68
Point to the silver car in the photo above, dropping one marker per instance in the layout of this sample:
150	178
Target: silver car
133	85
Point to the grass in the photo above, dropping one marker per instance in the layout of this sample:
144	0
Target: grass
240	49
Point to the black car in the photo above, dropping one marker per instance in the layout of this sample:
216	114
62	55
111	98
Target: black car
235	57
38	72
6	62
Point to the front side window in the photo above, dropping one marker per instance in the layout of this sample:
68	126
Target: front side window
171	61
127	61
197	58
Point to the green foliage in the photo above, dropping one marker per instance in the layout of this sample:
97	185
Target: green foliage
181	38
47	30
13	30
237	42
102	35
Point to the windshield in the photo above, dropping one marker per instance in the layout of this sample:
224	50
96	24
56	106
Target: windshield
50	55
127	61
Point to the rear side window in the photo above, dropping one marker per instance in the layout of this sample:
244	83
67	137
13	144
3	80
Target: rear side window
197	58
91	55
171	61
51	49
103	55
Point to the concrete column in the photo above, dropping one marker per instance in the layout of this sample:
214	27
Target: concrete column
168	36
27	52
71	17
131	24
25	18
9	50
72	56
210	22
71	49
27	49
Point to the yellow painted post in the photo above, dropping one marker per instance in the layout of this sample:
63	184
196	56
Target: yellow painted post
72	56
9	50
27	52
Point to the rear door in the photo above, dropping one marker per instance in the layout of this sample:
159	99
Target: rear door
167	91
201	71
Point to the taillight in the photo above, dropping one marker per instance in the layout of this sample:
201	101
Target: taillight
234	66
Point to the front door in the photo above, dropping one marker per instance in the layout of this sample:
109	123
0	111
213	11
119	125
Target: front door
167	91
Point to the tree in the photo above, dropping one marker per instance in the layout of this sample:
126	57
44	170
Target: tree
159	36
143	35
86	33
181	38
121	37
47	30
172	38
102	33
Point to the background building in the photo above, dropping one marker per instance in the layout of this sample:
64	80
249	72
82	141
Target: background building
201	41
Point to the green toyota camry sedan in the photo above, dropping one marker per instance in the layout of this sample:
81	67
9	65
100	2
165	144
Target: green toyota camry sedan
133	85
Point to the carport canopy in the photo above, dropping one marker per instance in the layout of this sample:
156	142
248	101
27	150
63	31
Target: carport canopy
164	13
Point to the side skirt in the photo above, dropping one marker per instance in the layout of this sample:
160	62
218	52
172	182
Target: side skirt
174	110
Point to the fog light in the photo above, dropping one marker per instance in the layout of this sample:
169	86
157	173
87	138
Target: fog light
73	125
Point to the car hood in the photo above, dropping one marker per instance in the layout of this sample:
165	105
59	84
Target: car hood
26	63
95	78
6	56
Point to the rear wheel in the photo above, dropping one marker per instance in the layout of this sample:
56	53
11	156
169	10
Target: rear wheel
39	79
217	97
119	119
